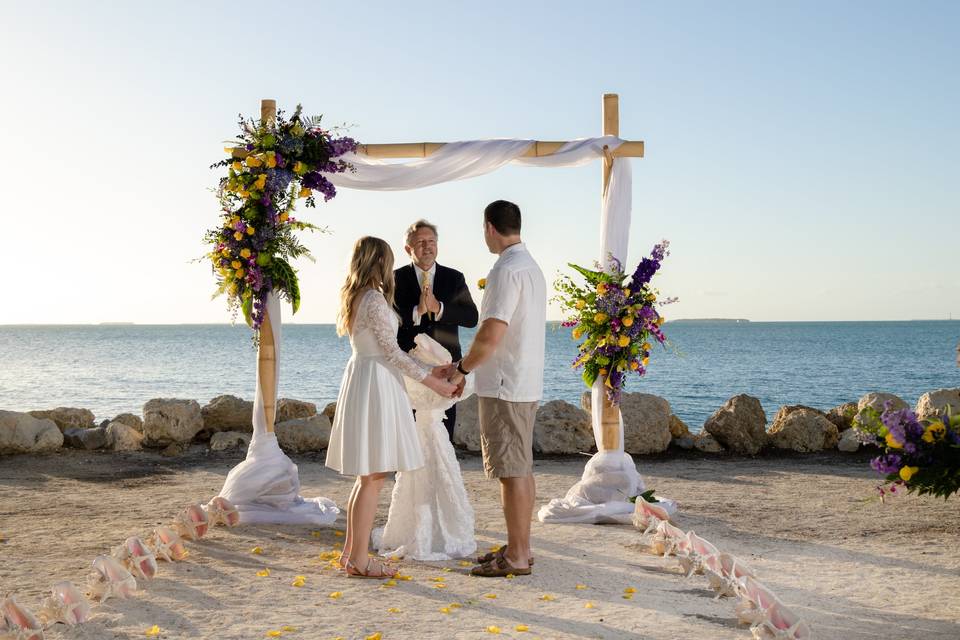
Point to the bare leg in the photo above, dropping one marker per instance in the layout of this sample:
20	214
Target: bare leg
361	516
518	496
347	540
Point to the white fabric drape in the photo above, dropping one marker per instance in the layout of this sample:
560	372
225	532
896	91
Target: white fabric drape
265	487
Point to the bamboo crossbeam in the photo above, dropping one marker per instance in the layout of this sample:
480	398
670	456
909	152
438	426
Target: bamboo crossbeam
540	148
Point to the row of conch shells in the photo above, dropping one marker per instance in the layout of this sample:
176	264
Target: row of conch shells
115	576
728	576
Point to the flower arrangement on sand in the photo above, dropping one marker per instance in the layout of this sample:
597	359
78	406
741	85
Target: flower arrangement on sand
270	166
922	455
617	318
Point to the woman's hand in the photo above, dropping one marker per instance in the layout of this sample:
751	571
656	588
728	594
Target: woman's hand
439	386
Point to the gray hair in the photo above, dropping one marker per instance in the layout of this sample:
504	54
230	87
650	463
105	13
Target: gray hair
416	226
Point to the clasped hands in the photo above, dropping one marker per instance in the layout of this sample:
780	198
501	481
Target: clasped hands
428	302
446	380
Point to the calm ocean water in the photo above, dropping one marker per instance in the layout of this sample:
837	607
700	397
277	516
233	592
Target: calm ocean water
113	369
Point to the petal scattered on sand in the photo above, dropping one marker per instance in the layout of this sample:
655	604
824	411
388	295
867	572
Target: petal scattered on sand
521	628
389	583
627	596
336	595
374	636
630	590
440	585
491	596
257	551
315	534
438	579
153	631
493	629
510	576
263	573
444	609
589	605
288	628
393	610
581	587
274	634
547	597
466	563
455	605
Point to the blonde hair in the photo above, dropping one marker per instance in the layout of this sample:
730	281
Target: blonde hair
370	266
416	226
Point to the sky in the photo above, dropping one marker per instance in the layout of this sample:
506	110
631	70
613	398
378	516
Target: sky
800	157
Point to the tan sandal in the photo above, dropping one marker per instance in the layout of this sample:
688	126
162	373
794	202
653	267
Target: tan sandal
489	557
382	570
499	567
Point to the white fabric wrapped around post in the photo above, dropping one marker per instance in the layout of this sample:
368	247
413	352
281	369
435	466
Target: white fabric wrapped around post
265	487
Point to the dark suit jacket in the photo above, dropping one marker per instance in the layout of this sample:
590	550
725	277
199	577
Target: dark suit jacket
450	288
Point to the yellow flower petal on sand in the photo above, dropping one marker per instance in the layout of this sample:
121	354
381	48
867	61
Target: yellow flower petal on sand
336	595
263	573
581	587
493	629
256	551
494	549
510	576
630	590
288	628
588	605
547	597
274	634
374	636
627	596
438	579
439	585
153	631
491	596
521	628
445	610
466	563
339	534
299	581
393	610
389	583
455	605
404	578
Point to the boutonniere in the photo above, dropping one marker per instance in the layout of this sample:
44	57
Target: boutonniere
482	284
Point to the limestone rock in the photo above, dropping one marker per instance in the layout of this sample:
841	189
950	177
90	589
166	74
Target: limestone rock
678	428
227	413
877	400
936	402
289	409
88	439
562	428
685	442
67	417
225	440
739	425
330	411
175	449
803	429
304	434
705	442
122	437
24	433
466	433
842	415
848	441
646	423
166	421
586	401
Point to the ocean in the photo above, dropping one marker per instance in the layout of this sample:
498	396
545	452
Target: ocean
112	369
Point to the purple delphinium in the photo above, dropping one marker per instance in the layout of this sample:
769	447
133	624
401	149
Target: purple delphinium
887	463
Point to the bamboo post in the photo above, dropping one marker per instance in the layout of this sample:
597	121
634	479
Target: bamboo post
267	353
610	413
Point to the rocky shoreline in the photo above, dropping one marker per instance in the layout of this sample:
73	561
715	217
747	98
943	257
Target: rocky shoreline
740	426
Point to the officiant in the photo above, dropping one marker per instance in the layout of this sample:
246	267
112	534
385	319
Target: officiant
432	299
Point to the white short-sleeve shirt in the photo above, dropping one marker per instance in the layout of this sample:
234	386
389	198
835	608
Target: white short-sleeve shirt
516	293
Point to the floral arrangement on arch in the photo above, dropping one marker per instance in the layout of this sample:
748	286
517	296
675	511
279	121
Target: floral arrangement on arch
271	166
922	455
618	319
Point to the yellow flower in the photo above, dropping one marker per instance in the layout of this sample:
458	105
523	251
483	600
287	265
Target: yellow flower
336	595
493	629
250	230
236	264
628	321
153	631
645	346
299	581
577	333
581	304
589	605
600	317
630	590
237	166
444	610
263	573
601	288
256	551
646	361
239	273
253	161
233	289
390	583
634	365
907	472
602	372
547	597
627	596
274	634
244	253
299	168
623	341
661	320
521	628
581	587
934	431
238	236
455	605
288	628
284	216
261	181
466	563
491	596
393	610
482	284
626	292
244	193
374	636
305	193
892	442
271	160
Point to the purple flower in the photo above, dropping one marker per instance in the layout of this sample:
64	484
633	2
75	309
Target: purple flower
886	464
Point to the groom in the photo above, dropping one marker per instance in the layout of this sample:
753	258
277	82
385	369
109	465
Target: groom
432	299
507	355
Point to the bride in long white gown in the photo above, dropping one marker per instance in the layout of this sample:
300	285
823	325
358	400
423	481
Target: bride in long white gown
430	516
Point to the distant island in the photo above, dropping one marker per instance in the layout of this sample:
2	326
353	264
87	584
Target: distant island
116	324
725	320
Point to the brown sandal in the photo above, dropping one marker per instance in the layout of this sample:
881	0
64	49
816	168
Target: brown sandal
499	567
489	557
381	572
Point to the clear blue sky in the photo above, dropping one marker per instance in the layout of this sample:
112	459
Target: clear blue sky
801	157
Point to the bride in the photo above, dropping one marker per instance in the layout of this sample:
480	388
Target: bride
430	515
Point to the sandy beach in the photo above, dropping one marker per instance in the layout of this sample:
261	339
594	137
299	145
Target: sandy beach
853	567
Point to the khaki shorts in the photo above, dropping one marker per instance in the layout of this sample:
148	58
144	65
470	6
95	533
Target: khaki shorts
506	436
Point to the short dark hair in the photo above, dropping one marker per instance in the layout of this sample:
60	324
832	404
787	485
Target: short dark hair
504	216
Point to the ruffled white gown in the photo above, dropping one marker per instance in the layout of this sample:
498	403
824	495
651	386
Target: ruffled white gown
373	429
430	515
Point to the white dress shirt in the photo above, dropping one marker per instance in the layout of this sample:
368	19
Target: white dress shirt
420	276
516	293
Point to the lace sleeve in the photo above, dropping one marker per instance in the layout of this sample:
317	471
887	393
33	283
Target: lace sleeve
376	314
